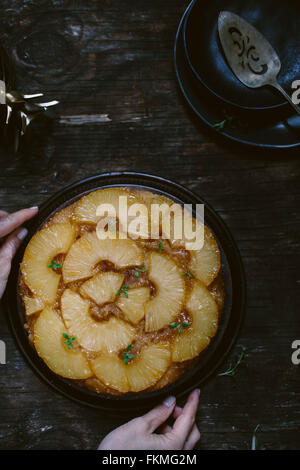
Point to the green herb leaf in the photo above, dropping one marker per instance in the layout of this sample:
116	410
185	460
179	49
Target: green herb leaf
220	125
143	269
124	289
159	248
126	360
54	265
231	371
69	341
233	121
184	324
126	355
140	270
189	274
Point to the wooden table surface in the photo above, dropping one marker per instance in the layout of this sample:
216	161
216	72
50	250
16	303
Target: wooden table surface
109	63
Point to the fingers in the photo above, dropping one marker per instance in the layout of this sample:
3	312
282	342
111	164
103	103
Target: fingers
9	222
185	421
7	252
194	435
156	417
192	439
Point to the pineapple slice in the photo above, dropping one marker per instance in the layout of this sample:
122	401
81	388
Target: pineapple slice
204	311
151	365
166	305
149	198
88	250
140	374
206	263
111	371
111	335
33	304
49	344
133	307
86	207
63	216
102	288
86	211
42	248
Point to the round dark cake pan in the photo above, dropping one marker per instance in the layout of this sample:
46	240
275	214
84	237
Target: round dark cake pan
207	362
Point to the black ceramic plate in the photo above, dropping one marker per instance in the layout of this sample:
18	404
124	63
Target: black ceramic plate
264	129
211	358
278	21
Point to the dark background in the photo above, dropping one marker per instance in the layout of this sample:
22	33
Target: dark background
109	62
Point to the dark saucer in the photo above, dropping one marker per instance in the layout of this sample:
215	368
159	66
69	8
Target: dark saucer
207	61
263	129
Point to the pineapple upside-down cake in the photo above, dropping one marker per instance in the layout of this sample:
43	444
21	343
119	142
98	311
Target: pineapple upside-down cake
119	314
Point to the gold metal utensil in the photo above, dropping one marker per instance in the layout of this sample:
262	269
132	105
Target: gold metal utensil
250	56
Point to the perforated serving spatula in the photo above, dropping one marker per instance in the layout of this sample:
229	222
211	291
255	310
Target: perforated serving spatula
250	56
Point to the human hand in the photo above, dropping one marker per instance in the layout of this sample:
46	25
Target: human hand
139	433
10	228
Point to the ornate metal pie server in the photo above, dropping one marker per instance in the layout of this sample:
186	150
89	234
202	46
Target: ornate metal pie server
250	56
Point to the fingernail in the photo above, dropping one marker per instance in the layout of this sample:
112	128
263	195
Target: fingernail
34	208
198	391
21	235
169	401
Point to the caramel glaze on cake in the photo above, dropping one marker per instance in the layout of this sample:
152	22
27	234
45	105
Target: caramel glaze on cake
102	313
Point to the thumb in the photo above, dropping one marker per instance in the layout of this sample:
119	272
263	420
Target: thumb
156	417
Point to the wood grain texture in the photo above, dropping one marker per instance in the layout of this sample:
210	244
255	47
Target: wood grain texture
109	62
